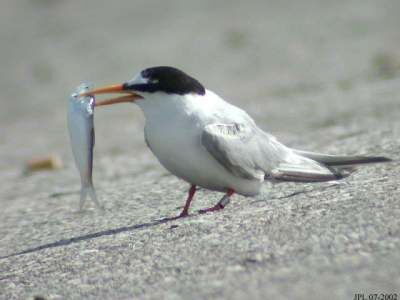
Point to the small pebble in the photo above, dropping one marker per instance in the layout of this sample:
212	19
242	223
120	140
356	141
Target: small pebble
51	162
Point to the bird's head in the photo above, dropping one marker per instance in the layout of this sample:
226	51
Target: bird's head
151	82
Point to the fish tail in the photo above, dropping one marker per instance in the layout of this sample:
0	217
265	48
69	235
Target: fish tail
89	190
84	192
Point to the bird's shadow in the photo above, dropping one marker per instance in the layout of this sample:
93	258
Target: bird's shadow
89	236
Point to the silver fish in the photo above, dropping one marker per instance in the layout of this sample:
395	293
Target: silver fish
81	132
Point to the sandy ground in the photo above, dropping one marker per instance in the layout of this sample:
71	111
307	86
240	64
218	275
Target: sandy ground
320	75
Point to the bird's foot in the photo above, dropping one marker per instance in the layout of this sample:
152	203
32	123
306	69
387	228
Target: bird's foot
183	214
220	205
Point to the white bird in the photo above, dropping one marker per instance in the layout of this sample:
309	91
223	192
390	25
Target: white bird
206	141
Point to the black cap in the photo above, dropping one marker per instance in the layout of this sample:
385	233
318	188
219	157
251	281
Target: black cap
168	80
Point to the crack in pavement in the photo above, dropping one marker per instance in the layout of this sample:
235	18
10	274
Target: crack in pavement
73	240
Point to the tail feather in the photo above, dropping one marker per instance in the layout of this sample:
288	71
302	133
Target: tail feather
341	160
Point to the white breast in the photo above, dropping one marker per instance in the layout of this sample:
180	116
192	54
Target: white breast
173	132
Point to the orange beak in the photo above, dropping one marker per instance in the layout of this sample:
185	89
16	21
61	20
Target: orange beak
113	89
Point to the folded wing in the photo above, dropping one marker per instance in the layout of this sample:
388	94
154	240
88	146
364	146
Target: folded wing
248	152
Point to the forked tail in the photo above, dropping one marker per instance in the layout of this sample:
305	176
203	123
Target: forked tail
342	160
85	190
342	165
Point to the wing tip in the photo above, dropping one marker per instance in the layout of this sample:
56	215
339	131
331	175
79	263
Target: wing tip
373	159
384	159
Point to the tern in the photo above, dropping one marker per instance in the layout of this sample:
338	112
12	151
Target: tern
210	143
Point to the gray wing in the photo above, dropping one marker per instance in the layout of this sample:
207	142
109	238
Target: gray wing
248	152
232	146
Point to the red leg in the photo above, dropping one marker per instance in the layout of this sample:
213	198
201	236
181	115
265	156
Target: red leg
221	203
185	210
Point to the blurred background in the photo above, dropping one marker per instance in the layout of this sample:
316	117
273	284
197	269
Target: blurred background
282	61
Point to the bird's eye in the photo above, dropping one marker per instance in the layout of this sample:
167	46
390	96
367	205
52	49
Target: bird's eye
145	74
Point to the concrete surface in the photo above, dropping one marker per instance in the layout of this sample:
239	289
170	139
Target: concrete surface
320	75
